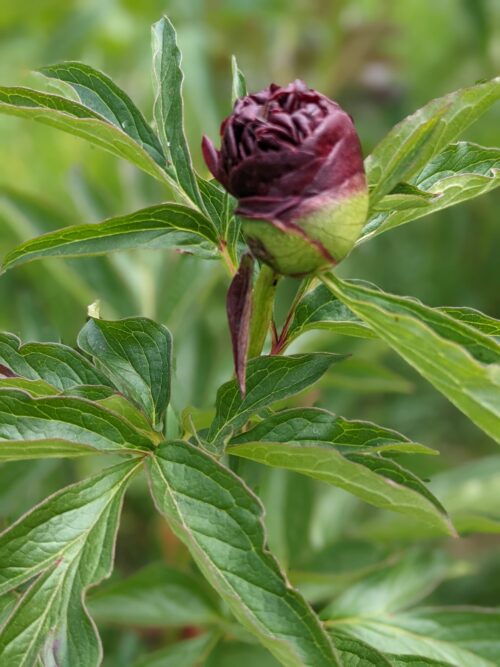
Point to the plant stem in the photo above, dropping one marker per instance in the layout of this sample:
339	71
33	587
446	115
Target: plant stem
280	343
262	309
227	258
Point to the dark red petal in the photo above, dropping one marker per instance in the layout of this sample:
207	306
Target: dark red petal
239	310
344	160
255	175
211	156
295	182
266	208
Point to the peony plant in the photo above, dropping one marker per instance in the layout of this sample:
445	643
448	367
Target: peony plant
290	198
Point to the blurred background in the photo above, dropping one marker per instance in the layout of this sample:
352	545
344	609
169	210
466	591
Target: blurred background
381	59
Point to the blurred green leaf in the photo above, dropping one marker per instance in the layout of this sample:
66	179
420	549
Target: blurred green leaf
23	483
268	379
459	361
156	596
157	227
341	562
373	611
470	493
80	121
230	653
136	353
462	637
395	588
67	543
100	94
367	376
419	137
289	509
188	653
462	171
220	521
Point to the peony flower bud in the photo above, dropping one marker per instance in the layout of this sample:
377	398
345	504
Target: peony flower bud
293	160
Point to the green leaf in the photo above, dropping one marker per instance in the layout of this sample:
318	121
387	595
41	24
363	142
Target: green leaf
62	426
458	360
22	485
7	603
56	364
231	653
315	443
320	309
473	485
100	94
367	376
168	107
415	661
392	589
462	171
32	387
137	354
268	379
470	493
76	119
156	596
311	426
460	158
216	203
355	653
157	227
288	500
67	543
403	196
419	137
462	637
239	84
339	562
373	610
188	653
474	318
220	521
129	412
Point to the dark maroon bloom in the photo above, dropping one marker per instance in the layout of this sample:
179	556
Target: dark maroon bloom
293	160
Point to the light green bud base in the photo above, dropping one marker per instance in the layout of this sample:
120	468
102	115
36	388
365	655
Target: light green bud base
336	227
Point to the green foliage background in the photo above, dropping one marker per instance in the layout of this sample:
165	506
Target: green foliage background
380	60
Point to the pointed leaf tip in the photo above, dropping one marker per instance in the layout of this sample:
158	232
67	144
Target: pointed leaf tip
239	309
